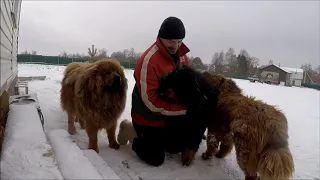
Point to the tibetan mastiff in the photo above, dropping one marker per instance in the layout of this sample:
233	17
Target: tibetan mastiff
195	92
95	95
258	131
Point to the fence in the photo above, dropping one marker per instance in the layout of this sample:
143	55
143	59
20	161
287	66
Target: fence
313	86
56	60
233	76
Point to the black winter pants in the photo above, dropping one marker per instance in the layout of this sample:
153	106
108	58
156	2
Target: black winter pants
151	143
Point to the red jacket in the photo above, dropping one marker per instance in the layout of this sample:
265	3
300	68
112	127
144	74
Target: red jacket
148	109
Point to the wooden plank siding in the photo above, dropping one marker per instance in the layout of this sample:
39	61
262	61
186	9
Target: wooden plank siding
9	33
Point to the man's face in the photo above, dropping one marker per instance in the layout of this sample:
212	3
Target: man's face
171	45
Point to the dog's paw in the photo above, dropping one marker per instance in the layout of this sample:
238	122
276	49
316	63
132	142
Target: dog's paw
94	148
252	177
220	155
206	156
82	125
114	145
188	156
123	142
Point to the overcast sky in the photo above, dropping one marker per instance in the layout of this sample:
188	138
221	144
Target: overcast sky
286	32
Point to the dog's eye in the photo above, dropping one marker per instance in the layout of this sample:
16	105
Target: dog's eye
107	73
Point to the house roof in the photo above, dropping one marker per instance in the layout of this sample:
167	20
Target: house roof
287	69
291	70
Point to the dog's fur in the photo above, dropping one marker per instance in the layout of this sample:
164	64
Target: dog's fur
195	92
259	132
95	95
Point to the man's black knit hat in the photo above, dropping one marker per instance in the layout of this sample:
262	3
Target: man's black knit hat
172	28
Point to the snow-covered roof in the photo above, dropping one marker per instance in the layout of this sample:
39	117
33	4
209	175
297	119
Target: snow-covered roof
295	73
290	70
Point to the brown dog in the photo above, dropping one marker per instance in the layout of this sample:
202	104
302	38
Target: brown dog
259	132
95	95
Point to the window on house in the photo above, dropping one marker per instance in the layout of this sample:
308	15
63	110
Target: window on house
14	12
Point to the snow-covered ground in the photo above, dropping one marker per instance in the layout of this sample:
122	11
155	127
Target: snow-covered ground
300	105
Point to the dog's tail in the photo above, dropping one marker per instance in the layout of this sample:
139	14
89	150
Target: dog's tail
276	164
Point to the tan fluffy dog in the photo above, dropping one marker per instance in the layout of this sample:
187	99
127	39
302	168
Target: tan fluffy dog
95	95
259	132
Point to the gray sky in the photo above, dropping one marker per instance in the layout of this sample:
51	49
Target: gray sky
286	32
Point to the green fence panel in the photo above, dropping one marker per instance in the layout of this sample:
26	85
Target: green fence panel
313	86
38	59
64	60
28	58
125	64
236	76
52	60
128	65
80	59
24	58
133	65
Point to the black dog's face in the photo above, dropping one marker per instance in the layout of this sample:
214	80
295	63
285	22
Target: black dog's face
180	81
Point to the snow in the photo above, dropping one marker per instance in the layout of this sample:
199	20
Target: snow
26	153
101	166
300	105
71	159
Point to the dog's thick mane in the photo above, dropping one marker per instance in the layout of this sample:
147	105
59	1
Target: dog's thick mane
195	92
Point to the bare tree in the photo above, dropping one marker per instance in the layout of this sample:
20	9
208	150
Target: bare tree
63	54
218	62
253	64
231	59
25	52
197	63
75	55
270	62
132	55
120	56
102	53
318	69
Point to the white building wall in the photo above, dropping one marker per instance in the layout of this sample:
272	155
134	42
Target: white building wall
9	33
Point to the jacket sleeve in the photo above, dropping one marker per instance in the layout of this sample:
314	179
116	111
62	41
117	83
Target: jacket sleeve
149	85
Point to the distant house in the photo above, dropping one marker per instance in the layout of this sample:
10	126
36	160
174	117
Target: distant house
274	74
295	77
10	19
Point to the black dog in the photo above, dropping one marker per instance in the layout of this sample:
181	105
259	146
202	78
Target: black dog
195	92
